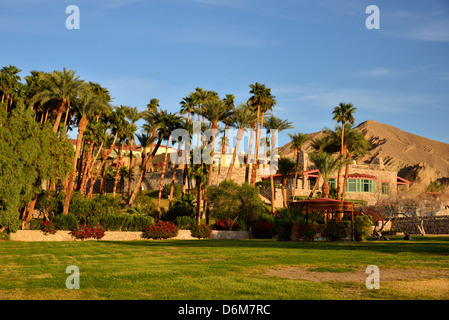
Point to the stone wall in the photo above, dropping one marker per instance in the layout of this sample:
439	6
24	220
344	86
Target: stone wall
38	235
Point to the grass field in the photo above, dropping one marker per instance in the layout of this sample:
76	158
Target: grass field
225	269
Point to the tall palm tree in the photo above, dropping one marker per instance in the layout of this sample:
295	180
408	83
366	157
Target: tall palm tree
86	106
274	123
297	141
168	123
355	145
241	119
151	116
261	99
230	104
61	86
9	83
133	115
286	168
145	141
198	172
326	165
343	113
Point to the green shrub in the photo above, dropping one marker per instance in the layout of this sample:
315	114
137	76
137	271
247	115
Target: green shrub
184	222
184	206
361	227
337	231
65	221
201	232
177	190
283	222
231	201
160	230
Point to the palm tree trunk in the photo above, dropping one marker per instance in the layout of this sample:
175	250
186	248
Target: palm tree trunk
61	109
87	167
342	156
284	196
315	187
250	147
149	161
91	169
130	171
240	133
117	174
345	183
325	189
81	129
198	201
256	152
161	183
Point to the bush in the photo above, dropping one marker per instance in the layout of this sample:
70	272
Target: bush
65	222
283	222
177	190
160	230
125	222
336	231
184	206
361	227
48	227
184	222
231	201
226	225
82	232
263	230
201	232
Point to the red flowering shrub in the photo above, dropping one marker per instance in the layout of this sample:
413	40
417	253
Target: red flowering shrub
48	227
84	232
263	230
201	231
160	230
225	224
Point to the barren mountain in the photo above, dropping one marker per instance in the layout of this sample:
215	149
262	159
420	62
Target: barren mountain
416	158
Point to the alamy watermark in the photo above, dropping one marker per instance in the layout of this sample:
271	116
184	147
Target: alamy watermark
373	20
72	281
373	280
73	20
200	143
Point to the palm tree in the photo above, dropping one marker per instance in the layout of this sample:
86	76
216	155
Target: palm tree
198	172
9	83
355	145
151	116
297	141
86	106
274	123
286	167
230	104
241	119
61	86
168	123
326	165
133	115
343	113
261	100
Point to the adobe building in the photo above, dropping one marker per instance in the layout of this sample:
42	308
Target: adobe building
366	181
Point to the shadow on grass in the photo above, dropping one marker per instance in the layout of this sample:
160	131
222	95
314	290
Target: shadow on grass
423	245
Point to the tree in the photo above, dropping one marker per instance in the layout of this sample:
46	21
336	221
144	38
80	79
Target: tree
199	173
241	119
297	141
274	123
9	84
230	105
61	86
133	115
261	100
30	154
86	107
286	168
326	165
343	113
168	122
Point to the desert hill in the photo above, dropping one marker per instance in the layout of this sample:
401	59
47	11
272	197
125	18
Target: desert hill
416	158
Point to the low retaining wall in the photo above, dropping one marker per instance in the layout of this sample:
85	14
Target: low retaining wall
38	235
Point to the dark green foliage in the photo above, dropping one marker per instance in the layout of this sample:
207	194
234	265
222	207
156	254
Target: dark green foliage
184	222
177	190
361	227
30	154
185	206
282	224
337	231
231	201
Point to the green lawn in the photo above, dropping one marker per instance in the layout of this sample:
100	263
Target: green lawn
221	269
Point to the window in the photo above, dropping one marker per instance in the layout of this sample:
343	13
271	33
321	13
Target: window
385	188
332	183
361	185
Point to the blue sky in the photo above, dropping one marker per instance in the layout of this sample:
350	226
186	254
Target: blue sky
313	54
